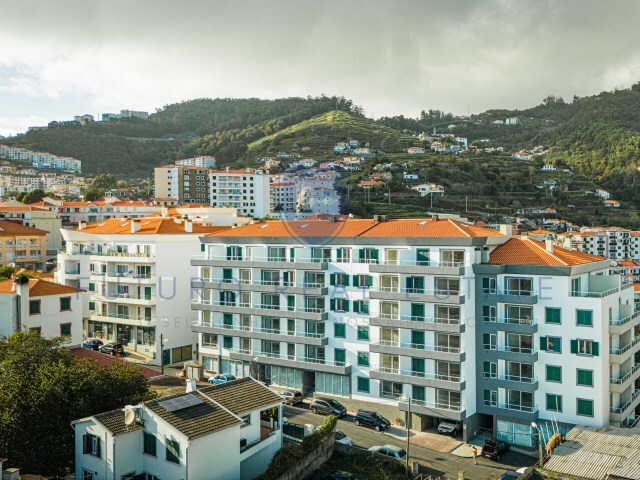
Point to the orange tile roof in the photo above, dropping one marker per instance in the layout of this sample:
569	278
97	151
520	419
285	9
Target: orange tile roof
524	251
540	231
26	208
360	228
8	228
40	288
148	225
34	274
627	263
636	287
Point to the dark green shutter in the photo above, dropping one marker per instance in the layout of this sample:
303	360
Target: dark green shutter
574	346
332	304
346	305
369	280
361	254
202	247
356	306
364	307
292	253
332	279
375	254
356	280
543	344
595	349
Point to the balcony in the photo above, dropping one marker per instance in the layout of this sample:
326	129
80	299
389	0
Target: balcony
452	411
520	297
128	277
304	338
621	354
514	382
417	295
621	325
126	298
512	325
266	286
517	353
621	383
123	257
453	325
261	262
124	319
419	267
268	310
619	414
280	359
435	352
425	379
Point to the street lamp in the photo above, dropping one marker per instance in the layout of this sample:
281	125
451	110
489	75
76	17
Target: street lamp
535	425
163	341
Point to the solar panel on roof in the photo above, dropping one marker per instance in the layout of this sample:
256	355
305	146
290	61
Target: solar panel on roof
179	403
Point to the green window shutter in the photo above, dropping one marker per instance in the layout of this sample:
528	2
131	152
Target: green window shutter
227	273
554	402
595	349
356	280
584	377
356	306
361	254
553	315
340	356
585	407
363	384
202	247
574	346
339	330
229	250
363	333
292	253
332	304
332	279
364	307
346	305
554	373
584	318
363	359
345	279
543	343
369	280
375	255
92	287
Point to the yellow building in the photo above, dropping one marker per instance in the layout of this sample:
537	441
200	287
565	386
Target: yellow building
40	218
25	247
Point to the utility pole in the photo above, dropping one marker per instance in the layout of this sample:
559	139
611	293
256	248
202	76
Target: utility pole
161	354
466	203
407	425
389	195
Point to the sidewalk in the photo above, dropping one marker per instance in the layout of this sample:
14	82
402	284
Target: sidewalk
432	441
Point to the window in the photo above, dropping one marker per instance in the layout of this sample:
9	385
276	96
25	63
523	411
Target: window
339	330
553	315
340	356
490	369
65	329
490	398
554	373
361	306
65	304
368	255
488	285
363	384
227	342
34	307
87	475
92	287
363	332
585	347
551	344
554	402
584	407
362	281
149	444
91	445
519	286
246	420
339	279
339	304
584	318
172	451
363	359
489	313
489	341
584	378
343	255
208	339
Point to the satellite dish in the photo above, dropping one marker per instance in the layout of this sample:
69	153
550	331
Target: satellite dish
129	415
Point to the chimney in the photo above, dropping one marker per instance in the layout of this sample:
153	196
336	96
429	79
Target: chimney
548	244
135	226
506	229
165	212
21	288
191	385
81	225
567	242
227	169
188	226
178	220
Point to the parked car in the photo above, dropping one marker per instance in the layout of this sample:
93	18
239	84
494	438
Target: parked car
221	378
291	398
450	428
389	451
338	475
343	439
328	406
92	343
509	475
493	448
371	419
112	348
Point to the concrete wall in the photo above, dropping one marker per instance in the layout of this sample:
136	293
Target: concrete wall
312	461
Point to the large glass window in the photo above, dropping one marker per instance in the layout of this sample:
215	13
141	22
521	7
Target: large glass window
452	258
331	384
519	286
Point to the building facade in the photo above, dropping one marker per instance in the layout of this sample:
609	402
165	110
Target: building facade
247	190
22	246
438	313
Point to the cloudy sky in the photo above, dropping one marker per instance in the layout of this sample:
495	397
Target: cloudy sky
65	57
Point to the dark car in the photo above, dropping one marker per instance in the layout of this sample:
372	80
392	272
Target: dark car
92	343
371	419
328	406
493	448
338	475
510	475
112	349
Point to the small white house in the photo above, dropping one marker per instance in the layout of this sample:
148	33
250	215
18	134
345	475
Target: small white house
603	193
549	167
512	121
611	204
220	432
428	188
415	150
52	309
409	176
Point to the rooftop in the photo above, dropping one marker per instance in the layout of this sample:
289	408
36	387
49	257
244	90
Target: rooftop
242	396
524	251
8	228
114	422
148	226
40	288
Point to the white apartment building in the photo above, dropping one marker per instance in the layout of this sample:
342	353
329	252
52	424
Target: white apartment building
219	432
318	200
187	184
616	243
51	309
247	190
284	195
205	161
461	321
138	277
41	160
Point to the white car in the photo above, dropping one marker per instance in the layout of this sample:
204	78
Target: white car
450	428
343	439
389	451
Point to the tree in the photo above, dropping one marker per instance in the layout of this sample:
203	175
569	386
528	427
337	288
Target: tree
93	194
6	272
390	144
44	388
33	196
104	181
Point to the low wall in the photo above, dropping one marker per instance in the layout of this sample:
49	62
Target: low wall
312	461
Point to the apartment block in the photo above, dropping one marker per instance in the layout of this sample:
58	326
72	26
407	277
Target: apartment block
40	218
205	161
616	243
41	160
461	322
187	184
22	246
137	275
247	190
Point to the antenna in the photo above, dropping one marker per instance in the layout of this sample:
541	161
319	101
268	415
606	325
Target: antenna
129	415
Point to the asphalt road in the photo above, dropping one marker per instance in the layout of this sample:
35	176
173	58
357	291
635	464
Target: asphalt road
443	464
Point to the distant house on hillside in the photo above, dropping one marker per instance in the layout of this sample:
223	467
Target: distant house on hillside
512	121
603	193
340	147
611	204
415	150
498	122
428	188
549	167
522	155
368	184
409	176
362	151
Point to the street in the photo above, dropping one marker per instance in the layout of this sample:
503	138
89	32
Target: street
445	465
